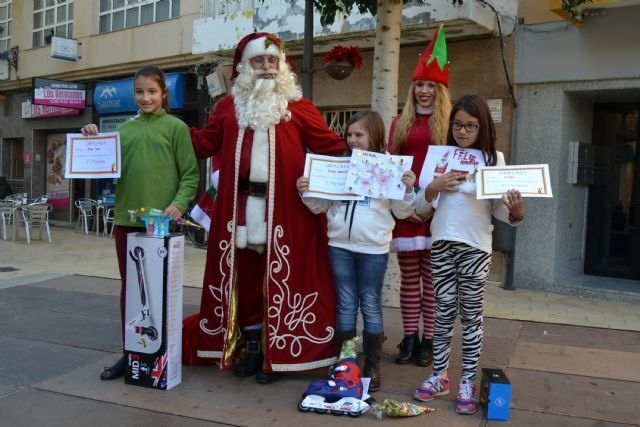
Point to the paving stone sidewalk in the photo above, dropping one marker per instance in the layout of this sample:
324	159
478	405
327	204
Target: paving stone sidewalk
57	334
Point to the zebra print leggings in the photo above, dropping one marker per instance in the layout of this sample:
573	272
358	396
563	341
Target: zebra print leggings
459	273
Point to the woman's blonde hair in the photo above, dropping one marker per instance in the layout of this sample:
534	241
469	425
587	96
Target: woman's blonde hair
438	122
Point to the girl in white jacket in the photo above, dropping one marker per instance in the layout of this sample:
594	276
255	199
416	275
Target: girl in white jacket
359	239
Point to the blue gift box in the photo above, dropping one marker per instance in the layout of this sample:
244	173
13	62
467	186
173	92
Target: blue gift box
495	394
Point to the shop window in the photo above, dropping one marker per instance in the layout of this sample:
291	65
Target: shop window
12	161
118	14
337	119
5	25
51	18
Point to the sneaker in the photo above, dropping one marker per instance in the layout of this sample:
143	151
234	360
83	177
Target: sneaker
467	401
436	385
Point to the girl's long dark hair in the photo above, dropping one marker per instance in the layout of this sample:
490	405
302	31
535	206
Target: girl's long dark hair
478	108
155	73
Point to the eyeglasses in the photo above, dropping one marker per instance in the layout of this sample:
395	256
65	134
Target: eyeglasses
469	127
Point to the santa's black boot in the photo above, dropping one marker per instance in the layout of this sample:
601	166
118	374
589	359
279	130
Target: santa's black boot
252	363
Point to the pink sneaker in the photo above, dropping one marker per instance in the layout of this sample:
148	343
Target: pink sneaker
436	385
467	401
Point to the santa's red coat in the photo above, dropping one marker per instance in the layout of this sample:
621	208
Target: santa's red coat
298	287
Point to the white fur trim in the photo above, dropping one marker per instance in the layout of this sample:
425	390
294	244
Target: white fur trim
255	220
257	47
241	237
405	244
259	171
215	178
294	367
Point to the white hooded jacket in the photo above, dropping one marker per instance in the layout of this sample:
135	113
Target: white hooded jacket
363	226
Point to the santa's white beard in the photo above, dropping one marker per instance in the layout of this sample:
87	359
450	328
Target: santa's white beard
262	103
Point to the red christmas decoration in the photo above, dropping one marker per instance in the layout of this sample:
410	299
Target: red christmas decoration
344	54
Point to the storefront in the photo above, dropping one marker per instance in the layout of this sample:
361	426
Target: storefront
33	137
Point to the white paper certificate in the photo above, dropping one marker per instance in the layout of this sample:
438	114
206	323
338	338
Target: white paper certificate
95	156
327	176
530	180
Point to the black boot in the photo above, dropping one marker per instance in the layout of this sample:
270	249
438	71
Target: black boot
372	345
341	337
115	371
424	357
408	348
252	363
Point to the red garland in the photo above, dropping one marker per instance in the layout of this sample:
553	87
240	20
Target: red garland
344	54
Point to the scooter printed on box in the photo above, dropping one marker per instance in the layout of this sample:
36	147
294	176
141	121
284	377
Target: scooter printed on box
153	308
142	324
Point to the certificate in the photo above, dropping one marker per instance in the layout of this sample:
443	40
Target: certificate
530	180
377	175
94	156
327	176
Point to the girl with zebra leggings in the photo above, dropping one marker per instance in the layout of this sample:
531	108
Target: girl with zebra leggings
461	251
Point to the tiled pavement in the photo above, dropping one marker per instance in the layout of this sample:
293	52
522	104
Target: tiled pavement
59	325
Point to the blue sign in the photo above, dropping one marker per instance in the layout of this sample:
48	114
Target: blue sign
117	96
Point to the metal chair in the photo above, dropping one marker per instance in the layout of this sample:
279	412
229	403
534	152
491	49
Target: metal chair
7	214
85	213
36	215
108	218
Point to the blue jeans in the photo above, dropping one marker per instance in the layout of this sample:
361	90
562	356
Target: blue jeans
358	280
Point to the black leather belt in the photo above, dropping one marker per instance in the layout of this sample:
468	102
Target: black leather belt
255	189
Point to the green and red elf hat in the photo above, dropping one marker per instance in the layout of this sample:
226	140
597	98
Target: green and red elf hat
433	65
256	44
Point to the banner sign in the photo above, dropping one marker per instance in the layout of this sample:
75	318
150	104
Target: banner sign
117	96
31	111
58	93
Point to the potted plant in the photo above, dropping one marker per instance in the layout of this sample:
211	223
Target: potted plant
340	61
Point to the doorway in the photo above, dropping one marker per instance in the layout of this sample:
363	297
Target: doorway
613	225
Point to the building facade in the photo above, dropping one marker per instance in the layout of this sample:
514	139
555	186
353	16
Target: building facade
578	96
564	93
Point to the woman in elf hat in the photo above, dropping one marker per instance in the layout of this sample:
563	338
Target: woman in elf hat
423	122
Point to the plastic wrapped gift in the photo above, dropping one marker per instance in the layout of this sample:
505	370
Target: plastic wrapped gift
157	225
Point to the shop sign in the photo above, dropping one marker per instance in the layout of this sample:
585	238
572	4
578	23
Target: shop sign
59	93
64	48
110	123
31	111
117	96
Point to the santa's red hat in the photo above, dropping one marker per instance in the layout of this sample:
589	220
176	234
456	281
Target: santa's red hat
433	65
256	44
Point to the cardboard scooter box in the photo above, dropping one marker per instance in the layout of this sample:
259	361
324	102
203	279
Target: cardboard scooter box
495	394
153	322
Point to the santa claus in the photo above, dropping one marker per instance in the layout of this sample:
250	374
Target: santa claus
267	277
